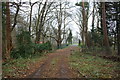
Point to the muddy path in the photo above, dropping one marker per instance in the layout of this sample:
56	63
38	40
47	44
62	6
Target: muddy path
56	65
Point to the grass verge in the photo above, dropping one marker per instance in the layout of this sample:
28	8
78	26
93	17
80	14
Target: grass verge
20	68
94	66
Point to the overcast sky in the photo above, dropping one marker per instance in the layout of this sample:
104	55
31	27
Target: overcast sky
72	25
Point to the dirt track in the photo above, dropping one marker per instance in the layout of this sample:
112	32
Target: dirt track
56	65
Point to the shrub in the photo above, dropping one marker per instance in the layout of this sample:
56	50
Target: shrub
42	47
24	46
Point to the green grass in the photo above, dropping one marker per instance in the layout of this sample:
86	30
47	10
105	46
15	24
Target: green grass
12	68
93	66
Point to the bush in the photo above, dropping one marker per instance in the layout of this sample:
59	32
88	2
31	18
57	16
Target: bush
42	47
24	46
15	53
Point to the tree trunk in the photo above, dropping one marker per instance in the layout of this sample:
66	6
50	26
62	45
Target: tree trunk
59	36
83	24
114	41
85	28
37	23
43	38
41	23
30	19
118	26
8	32
0	33
82	36
3	30
118	36
15	18
93	17
93	20
58	44
106	42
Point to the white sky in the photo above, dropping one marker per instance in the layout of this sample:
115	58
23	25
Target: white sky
72	25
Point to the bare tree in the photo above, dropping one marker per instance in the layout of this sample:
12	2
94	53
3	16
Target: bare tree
83	16
41	19
31	8
17	6
59	23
